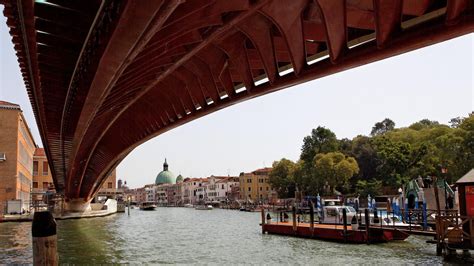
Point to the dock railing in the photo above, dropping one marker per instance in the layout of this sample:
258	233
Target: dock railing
454	232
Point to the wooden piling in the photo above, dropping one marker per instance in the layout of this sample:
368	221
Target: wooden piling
367	225
439	230
435	187
311	217
263	221
45	241
128	205
294	219
344	218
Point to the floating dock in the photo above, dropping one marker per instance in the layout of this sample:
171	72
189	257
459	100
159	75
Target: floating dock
334	232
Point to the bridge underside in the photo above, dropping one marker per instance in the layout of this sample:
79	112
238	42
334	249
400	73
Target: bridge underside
106	76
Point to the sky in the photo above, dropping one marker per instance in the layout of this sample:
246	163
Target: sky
436	82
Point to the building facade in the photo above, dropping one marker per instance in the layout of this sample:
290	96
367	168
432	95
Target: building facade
254	186
219	188
109	188
224	188
17	147
42	178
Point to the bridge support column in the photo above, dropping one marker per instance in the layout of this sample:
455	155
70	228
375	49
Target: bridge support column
77	205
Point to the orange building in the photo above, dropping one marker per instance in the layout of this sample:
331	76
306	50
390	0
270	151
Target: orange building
254	186
17	147
42	179
111	181
109	187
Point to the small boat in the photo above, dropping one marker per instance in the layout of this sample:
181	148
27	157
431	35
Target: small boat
334	214
204	207
188	205
389	222
147	206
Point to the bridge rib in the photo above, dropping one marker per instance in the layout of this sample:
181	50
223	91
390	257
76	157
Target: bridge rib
181	61
137	24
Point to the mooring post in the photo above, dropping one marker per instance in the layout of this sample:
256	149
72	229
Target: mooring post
294	218
425	218
311	217
367	225
128	199
45	241
344	218
439	230
263	221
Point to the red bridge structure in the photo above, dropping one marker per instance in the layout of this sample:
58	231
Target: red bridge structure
104	76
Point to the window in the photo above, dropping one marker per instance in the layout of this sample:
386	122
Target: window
109	185
45	168
250	189
267	188
35	167
24	157
45	185
261	188
3	157
249	180
222	186
35	184
23	179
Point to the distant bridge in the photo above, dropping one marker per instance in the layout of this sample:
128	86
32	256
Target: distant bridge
104	76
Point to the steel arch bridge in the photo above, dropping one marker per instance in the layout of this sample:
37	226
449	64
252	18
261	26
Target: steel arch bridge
104	76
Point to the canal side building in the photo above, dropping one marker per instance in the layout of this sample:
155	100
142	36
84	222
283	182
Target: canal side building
42	178
254	186
17	147
109	188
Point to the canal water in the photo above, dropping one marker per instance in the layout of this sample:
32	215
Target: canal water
188	236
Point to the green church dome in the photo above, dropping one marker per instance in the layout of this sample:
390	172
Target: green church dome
165	176
179	179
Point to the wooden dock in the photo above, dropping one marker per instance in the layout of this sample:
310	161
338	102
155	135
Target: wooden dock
334	232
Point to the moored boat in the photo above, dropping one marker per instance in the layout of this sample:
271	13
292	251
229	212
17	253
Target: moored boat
204	207
147	206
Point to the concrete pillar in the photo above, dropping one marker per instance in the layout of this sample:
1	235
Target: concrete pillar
77	205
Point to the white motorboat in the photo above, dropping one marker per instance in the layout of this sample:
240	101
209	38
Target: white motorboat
391	221
333	214
204	207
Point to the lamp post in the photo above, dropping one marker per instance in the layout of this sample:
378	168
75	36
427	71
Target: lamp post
444	172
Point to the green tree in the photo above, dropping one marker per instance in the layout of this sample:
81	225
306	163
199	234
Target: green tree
335	169
465	157
321	140
366	187
396	159
382	127
364	152
283	178
424	123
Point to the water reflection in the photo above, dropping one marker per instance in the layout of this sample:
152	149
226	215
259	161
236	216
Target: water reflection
188	236
15	243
